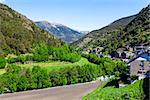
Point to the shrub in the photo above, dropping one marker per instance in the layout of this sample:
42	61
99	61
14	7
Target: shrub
41	77
2	62
13	69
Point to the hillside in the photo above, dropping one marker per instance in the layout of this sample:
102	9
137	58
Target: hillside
18	33
137	32
99	35
61	31
126	31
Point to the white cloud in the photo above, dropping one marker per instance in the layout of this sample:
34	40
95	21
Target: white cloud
2	1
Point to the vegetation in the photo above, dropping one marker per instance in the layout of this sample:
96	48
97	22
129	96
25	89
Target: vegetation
43	53
2	62
35	75
20	79
109	66
2	71
65	53
130	92
56	65
18	34
50	62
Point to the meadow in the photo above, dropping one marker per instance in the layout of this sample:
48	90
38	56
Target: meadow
52	65
56	65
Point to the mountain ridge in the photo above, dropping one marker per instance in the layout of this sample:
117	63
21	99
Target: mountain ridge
61	31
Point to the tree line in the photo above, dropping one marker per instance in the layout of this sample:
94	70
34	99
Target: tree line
21	79
43	53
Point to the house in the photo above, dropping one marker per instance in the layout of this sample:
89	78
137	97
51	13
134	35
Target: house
140	65
140	49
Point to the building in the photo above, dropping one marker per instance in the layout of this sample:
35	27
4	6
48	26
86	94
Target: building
140	49
140	65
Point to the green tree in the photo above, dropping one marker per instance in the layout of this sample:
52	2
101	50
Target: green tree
40	53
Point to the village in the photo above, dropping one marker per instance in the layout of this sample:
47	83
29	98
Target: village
137	58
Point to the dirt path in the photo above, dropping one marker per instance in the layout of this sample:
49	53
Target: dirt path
70	92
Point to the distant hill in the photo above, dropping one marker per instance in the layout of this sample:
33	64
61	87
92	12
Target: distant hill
18	33
61	31
132	30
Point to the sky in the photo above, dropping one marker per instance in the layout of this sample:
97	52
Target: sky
82	15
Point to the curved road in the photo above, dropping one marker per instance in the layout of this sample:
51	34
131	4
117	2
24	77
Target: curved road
68	92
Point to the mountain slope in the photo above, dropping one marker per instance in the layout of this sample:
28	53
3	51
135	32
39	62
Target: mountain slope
132	30
65	33
137	32
89	40
18	33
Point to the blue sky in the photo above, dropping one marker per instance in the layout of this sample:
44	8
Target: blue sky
83	15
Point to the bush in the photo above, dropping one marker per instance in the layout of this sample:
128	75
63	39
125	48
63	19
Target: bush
19	58
41	77
29	58
13	69
57	78
75	74
2	62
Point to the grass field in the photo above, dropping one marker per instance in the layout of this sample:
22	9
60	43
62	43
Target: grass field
54	65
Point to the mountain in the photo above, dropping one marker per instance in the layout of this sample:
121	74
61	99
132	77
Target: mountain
90	40
138	30
132	30
18	33
61	31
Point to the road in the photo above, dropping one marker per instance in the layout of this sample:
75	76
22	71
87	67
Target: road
68	92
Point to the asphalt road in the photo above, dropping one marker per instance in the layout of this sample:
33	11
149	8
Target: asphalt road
70	92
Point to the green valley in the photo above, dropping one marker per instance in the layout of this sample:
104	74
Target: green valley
39	65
